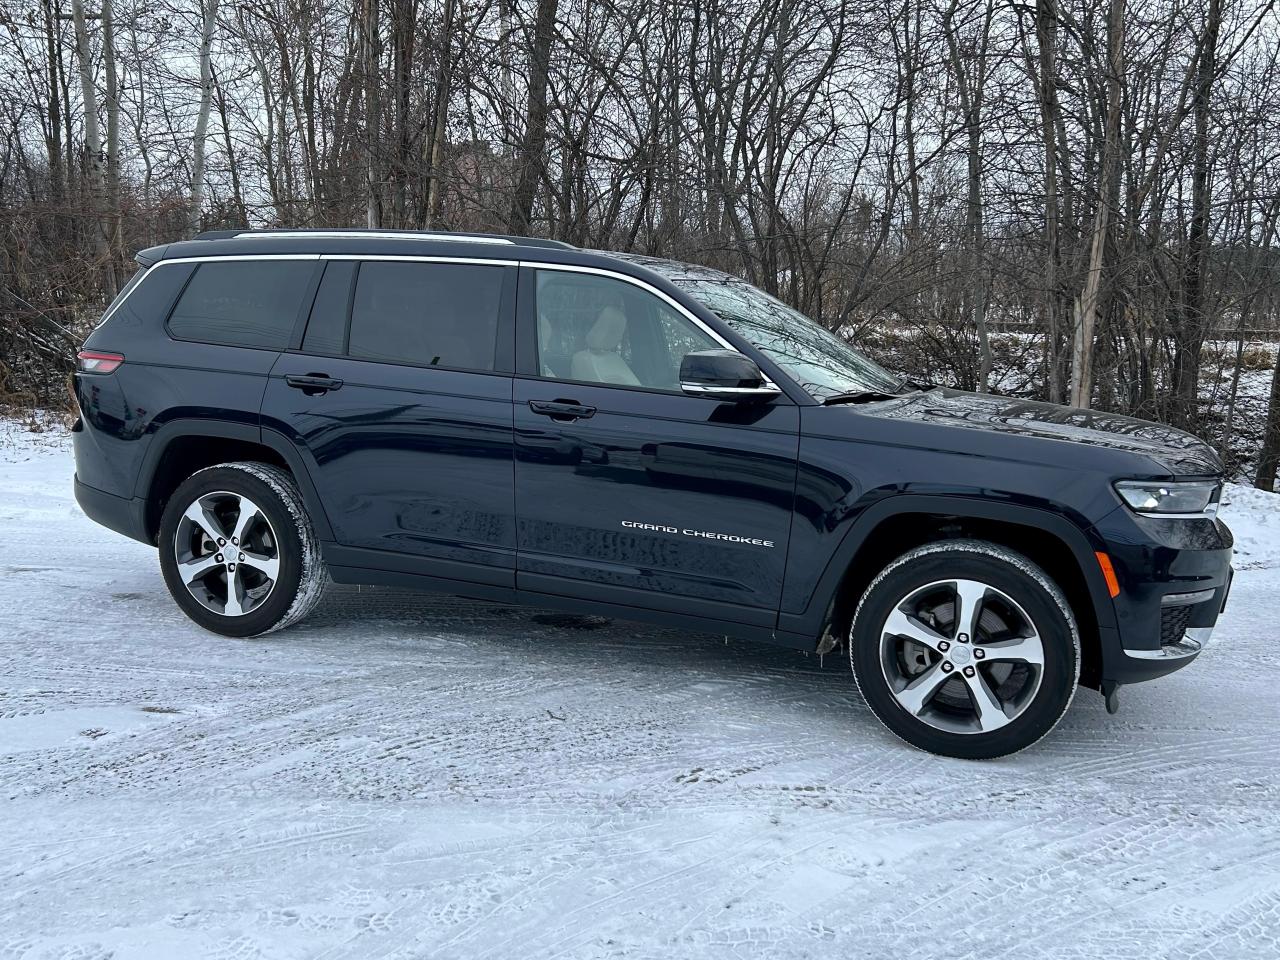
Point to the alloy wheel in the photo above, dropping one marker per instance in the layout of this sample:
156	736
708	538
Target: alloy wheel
227	553
962	656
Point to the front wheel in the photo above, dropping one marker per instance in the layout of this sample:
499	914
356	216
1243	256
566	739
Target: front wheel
966	649
237	550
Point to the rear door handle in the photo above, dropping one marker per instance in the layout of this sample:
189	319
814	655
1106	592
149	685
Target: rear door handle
562	410
312	384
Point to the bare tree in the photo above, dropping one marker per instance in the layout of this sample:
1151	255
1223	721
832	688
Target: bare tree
531	159
208	20
1050	118
94	157
970	71
1108	184
1042	199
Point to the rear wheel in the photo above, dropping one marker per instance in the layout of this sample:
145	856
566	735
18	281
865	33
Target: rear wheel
237	550
965	648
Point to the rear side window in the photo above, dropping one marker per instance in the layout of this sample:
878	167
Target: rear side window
433	314
244	303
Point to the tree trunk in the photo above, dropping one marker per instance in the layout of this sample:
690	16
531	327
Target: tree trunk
57	175
440	115
401	38
116	240
1047	43
209	14
532	156
971	91
372	113
93	148
1269	457
1192	327
1108	185
237	191
507	74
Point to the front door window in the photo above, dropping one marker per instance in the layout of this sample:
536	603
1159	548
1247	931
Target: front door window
594	329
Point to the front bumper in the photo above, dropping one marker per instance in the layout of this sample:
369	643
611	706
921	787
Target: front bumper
1187	622
1174	579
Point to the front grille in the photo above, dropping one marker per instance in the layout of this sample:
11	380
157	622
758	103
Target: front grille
1173	623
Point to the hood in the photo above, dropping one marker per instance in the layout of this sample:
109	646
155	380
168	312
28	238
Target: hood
1176	451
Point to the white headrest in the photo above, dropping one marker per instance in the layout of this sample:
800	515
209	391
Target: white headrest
609	329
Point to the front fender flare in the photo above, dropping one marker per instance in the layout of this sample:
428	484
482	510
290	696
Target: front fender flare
809	621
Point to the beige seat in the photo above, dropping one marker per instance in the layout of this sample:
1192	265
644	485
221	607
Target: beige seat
601	362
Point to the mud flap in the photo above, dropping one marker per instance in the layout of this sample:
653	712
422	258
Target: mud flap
1110	690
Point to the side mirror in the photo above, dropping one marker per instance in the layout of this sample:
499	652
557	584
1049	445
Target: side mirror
724	375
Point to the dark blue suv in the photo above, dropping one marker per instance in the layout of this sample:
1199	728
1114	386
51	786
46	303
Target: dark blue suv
521	421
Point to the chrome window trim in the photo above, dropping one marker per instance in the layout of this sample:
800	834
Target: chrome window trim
477	261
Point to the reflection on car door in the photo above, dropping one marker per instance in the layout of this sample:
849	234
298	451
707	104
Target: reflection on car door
410	444
629	492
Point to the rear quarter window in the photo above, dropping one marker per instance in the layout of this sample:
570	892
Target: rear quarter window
146	300
243	303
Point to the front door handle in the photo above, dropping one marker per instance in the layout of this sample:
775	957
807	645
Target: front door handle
313	384
562	410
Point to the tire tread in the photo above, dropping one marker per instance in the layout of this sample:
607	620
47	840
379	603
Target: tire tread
996	552
314	577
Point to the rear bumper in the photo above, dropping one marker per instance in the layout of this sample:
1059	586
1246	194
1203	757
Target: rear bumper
123	515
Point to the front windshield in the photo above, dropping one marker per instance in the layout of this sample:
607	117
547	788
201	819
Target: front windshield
815	358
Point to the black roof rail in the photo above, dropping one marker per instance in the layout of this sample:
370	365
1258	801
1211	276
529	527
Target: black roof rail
386	234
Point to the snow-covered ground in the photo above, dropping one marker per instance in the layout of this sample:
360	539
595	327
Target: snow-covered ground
409	776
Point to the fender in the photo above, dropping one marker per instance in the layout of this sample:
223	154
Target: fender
228	430
809	621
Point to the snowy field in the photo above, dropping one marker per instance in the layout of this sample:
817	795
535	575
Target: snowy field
404	776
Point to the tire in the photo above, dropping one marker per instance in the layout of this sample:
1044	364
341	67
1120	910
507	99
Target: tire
276	568
984	684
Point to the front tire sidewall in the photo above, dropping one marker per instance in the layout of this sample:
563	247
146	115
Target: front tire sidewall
1023	582
289	544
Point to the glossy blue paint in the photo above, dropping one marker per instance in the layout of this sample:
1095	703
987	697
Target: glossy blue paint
741	519
405	459
590	493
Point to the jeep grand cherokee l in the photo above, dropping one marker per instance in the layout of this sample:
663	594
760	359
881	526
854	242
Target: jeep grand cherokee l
522	421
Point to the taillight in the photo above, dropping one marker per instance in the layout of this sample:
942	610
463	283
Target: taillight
94	361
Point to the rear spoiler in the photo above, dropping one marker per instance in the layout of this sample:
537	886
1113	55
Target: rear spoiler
149	256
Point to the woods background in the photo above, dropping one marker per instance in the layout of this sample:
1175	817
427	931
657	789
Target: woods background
1074	201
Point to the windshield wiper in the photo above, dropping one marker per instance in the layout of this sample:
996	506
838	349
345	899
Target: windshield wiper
901	389
860	396
907	385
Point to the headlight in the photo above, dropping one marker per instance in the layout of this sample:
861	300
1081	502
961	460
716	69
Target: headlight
1192	497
